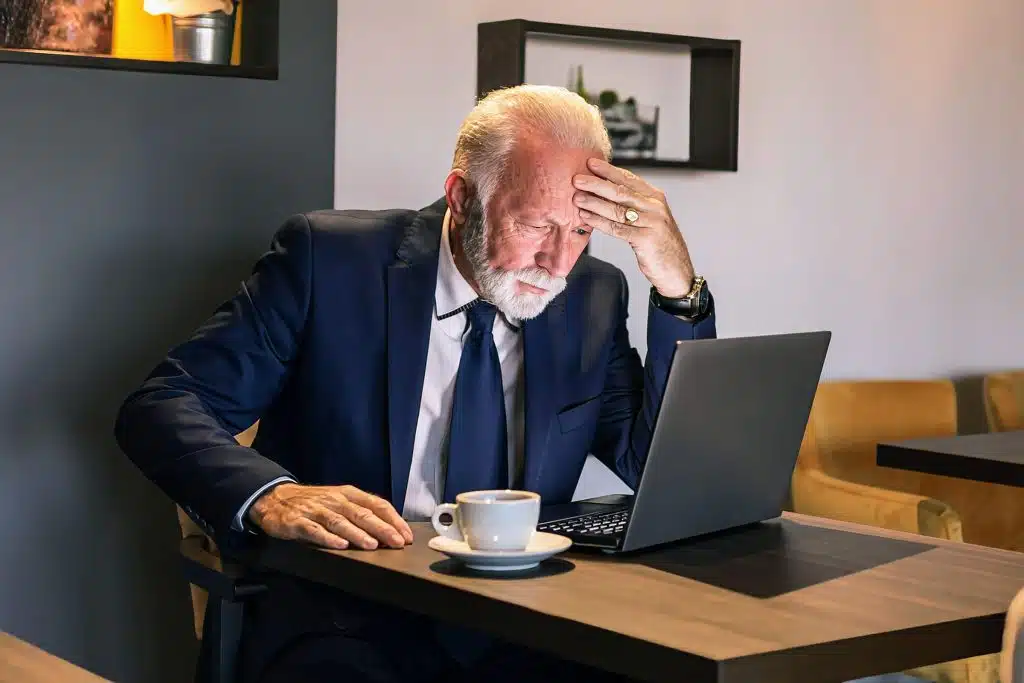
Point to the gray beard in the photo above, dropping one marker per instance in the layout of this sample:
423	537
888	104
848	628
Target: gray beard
499	286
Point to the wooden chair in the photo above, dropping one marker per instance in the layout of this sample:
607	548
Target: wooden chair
836	477
219	590
1004	400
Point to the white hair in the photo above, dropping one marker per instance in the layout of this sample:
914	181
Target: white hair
490	132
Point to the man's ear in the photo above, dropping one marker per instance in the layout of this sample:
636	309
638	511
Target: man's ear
457	194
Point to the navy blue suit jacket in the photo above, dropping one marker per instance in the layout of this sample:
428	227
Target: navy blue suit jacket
325	343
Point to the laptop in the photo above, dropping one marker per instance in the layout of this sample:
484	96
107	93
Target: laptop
725	442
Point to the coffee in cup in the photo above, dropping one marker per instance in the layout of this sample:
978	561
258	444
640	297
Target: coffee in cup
500	520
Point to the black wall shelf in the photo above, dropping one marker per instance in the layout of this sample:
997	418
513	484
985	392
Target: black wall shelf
714	82
144	65
259	50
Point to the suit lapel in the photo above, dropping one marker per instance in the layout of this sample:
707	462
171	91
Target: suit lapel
411	282
542	336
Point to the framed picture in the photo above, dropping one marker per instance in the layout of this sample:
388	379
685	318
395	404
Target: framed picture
80	26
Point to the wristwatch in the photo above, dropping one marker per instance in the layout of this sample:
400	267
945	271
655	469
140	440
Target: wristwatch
693	307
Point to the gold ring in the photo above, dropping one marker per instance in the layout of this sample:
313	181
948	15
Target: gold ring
632	216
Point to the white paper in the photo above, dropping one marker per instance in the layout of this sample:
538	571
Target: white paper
187	8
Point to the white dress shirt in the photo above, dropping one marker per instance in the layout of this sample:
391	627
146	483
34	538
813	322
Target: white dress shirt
430	446
447	332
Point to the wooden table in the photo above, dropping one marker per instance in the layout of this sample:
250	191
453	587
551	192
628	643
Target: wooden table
21	662
795	599
996	457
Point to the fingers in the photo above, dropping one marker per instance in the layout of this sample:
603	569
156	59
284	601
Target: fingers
610	210
618	185
348	528
604	198
620	176
615	193
613	228
382	509
389	514
308	530
365	519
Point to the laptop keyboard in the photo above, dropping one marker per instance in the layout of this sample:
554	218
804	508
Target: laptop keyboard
593	524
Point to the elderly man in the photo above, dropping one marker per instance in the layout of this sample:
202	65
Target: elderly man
358	337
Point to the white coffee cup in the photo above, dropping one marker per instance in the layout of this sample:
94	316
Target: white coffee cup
490	520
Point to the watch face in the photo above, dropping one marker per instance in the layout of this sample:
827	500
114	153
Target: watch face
702	299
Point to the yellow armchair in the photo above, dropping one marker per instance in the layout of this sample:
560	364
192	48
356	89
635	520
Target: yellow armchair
816	493
850	418
1004	400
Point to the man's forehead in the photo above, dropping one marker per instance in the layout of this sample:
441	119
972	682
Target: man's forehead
540	186
541	198
540	157
544	178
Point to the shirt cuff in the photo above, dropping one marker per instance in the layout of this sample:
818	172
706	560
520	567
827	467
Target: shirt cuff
239	522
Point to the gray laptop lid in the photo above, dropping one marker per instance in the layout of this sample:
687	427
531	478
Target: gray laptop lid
727	435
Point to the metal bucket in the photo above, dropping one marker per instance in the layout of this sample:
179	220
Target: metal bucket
203	38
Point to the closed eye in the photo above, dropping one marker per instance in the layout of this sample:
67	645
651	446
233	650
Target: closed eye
582	230
537	228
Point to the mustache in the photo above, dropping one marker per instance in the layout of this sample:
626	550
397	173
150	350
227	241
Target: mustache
538	277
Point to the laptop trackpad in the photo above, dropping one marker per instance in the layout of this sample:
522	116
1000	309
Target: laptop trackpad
551	513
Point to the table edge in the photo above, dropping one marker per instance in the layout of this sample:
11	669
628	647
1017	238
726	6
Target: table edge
903	457
959	639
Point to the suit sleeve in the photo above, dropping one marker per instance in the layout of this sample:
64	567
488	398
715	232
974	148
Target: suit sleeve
632	392
178	427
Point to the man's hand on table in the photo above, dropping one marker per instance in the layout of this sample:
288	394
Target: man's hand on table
330	516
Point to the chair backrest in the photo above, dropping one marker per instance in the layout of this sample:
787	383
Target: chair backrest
1004	400
190	528
849	418
816	493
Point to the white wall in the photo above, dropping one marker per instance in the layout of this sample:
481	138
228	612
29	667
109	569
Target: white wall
880	191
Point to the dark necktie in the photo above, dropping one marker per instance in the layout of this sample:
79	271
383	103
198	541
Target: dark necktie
478	446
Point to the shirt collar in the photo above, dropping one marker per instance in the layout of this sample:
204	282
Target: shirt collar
453	292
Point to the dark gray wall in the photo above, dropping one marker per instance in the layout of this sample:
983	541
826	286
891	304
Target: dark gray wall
130	205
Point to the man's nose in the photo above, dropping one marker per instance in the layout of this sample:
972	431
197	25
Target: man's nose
557	255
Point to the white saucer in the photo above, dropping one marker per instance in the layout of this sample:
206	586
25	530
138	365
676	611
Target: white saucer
542	546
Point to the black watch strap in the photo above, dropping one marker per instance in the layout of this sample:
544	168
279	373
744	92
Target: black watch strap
694	307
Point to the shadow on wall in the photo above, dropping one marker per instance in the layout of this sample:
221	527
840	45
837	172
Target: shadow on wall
105	580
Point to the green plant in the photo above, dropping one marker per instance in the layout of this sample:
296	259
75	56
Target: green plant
607	99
